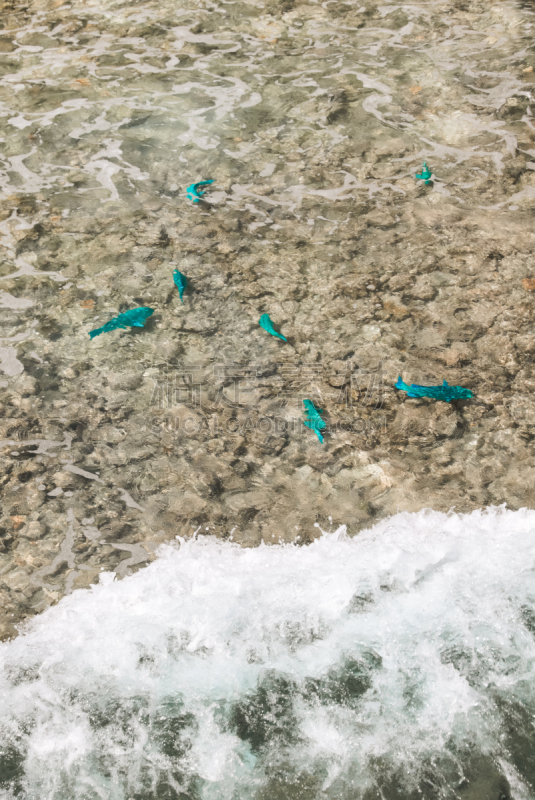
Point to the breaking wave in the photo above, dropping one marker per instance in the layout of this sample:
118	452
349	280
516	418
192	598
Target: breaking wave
397	664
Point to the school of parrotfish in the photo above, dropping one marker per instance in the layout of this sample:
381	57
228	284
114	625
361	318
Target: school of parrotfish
136	318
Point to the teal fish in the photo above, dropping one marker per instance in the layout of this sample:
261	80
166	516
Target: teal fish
425	175
267	325
313	419
446	393
135	318
180	282
195	191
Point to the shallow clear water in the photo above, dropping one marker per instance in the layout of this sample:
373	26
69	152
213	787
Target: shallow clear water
396	664
312	120
119	105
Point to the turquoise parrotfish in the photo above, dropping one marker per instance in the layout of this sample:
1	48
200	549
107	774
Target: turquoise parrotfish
267	325
180	282
313	419
195	190
425	175
446	393
135	318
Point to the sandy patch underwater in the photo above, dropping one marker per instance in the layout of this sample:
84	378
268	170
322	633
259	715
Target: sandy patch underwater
397	663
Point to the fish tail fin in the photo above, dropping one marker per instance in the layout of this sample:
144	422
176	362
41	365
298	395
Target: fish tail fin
401	385
320	437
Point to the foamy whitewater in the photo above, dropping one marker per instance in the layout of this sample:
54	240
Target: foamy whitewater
398	664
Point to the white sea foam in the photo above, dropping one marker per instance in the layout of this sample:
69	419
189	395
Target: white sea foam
397	661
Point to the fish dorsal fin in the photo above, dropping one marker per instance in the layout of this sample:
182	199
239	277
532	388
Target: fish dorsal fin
445	383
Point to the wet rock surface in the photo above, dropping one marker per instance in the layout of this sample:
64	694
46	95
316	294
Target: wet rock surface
312	120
